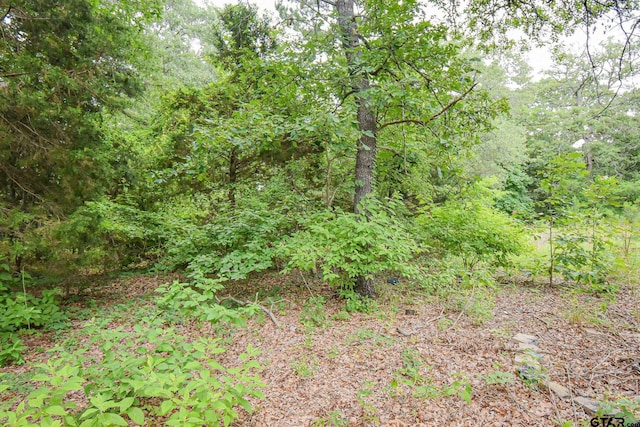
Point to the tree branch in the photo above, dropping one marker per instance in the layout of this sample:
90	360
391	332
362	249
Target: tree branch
433	117
13	74
245	303
393	150
330	3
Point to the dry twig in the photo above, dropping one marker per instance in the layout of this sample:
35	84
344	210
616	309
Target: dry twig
246	303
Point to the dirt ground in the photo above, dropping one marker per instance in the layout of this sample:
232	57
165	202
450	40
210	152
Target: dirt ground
414	359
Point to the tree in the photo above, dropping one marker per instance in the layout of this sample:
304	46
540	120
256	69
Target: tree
63	65
392	67
573	110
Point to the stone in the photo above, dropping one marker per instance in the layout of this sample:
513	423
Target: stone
530	359
561	391
527	339
531	374
590	406
523	346
405	332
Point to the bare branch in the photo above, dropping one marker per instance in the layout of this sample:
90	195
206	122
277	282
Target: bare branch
330	3
20	186
14	74
433	117
393	150
245	303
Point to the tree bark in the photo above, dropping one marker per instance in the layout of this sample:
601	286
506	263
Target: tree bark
367	143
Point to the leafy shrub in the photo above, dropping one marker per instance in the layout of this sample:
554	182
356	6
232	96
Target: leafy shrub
585	260
625	407
472	229
344	246
11	348
354	302
313	313
148	368
515	199
112	234
234	243
198	300
20	310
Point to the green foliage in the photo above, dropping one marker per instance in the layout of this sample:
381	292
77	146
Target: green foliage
304	367
422	387
370	336
498	378
62	66
11	348
476	303
624	407
344	246
197	299
313	314
515	199
334	418
242	33
584	260
111	234
461	387
472	229
21	310
582	312
369	411
144	371
355	302
235	242
581	249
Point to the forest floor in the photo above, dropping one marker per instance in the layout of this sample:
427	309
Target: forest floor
413	361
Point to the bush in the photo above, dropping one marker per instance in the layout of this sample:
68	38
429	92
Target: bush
112	234
472	229
344	246
235	242
148	371
20	310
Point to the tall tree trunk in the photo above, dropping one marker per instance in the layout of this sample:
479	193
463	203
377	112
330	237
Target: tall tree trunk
367	144
367	148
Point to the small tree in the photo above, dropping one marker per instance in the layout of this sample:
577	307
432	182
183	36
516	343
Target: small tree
561	181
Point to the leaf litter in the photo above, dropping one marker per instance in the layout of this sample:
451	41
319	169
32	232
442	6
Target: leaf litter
409	362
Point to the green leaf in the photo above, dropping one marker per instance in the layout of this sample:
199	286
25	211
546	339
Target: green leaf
55	410
113	419
89	413
126	403
465	393
136	415
166	407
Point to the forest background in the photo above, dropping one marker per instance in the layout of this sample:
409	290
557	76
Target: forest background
354	143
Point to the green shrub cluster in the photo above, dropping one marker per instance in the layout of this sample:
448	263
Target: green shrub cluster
21	310
343	245
472	229
133	376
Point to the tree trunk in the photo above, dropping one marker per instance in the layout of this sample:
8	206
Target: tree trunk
367	143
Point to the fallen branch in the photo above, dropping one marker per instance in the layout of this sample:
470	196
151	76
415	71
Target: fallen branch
246	303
